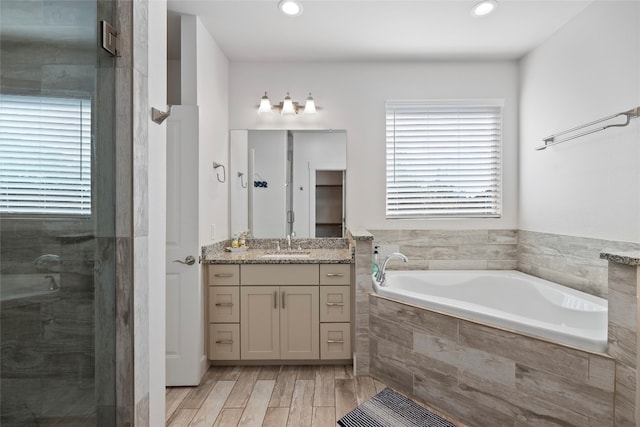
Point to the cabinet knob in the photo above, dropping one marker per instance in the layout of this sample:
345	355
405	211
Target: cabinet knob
224	342
224	304
335	304
335	274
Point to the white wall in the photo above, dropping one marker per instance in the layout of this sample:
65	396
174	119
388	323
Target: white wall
352	96
590	69
157	56
213	100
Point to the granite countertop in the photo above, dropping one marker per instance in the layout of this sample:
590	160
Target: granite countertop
255	256
622	257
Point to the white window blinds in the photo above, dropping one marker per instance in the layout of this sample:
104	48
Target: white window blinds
45	155
443	160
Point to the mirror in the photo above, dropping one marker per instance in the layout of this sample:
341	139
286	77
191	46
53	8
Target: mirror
285	181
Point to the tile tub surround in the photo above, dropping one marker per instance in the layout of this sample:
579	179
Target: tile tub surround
453	249
363	241
624	279
487	376
569	260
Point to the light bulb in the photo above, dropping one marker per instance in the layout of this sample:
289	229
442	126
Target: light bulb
290	7
287	105
310	105
265	105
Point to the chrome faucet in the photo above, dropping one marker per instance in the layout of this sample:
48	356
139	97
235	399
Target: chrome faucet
47	260
52	283
380	276
290	238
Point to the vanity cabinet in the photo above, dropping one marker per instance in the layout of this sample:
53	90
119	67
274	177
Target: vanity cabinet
335	311
224	312
279	312
279	322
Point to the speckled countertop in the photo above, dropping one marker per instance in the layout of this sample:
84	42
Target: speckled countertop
622	257
320	251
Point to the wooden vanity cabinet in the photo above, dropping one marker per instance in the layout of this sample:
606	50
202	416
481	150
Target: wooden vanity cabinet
224	312
335	311
280	316
279	312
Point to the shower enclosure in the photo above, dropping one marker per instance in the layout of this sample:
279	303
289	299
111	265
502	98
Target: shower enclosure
57	215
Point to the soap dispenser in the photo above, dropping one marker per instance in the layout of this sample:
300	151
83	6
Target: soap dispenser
376	261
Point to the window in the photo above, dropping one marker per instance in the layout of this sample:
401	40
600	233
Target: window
45	155
443	159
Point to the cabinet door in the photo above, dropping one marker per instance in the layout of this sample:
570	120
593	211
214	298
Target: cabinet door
335	274
224	341
224	304
335	341
259	323
299	322
224	274
335	303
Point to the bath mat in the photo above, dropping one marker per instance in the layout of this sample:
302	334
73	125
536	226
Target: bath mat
390	409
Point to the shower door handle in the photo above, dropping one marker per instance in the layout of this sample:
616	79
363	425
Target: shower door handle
190	260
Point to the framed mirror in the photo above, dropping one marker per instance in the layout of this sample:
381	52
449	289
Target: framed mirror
288	181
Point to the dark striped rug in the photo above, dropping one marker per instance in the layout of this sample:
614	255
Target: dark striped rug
390	409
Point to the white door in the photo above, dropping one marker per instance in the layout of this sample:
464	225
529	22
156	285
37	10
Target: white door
184	316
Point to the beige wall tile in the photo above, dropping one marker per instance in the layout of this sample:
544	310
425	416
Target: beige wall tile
595	403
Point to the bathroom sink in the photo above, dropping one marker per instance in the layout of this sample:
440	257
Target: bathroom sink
287	255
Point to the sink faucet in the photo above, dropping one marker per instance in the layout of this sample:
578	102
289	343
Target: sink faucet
290	238
380	276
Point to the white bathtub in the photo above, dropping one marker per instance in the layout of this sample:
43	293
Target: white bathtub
506	299
20	286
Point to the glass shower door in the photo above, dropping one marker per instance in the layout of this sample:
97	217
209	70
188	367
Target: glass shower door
57	215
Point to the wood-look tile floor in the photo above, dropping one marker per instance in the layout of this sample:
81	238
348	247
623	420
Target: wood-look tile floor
270	396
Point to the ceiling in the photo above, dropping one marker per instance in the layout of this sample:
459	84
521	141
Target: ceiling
373	30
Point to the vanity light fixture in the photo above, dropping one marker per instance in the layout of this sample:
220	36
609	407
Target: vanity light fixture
290	7
288	106
484	8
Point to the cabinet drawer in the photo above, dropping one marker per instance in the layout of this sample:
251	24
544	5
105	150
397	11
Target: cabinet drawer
224	304
335	303
224	341
280	274
335	274
224	274
335	341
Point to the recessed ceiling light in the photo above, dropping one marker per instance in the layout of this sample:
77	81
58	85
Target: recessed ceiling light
290	7
484	8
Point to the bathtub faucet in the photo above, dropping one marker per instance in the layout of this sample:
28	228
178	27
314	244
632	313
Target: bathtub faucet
380	276
46	260
53	285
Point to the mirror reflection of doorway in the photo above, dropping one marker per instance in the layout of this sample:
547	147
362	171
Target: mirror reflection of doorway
329	202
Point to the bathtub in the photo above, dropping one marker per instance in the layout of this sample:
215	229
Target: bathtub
506	299
15	287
